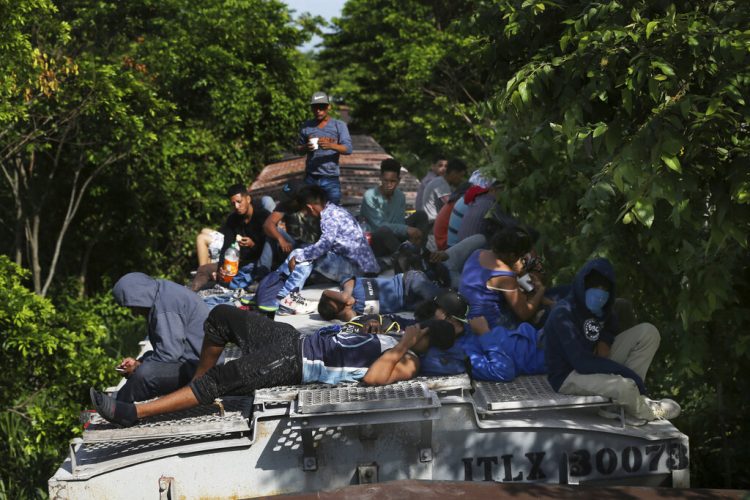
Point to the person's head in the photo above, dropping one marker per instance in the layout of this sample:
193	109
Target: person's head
390	176
312	200
137	292
288	196
320	106
438	166
240	198
448	306
598	289
511	243
334	305
455	172
440	334
477	178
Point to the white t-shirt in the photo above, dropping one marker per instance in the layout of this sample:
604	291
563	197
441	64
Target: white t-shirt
434	194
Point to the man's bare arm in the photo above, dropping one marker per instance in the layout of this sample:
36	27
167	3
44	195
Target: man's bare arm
396	364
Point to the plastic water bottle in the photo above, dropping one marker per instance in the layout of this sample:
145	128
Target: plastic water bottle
231	262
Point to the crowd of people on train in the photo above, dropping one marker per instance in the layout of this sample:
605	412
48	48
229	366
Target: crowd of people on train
453	286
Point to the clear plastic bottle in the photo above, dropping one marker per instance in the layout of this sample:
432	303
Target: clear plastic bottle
231	262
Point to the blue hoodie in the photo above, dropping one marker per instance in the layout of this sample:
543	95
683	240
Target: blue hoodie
175	318
572	331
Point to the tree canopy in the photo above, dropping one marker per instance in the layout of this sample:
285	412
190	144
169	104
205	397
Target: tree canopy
618	129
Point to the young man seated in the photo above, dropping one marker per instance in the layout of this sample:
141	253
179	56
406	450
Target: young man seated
277	354
585	357
376	296
174	317
244	226
384	211
342	250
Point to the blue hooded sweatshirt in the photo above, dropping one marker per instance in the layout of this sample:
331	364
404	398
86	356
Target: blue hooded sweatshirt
572	332
175	318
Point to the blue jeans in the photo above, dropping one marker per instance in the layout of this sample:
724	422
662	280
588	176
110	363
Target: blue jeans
330	265
330	184
418	288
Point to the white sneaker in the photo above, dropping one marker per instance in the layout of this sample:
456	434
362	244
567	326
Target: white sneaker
664	409
613	413
294	303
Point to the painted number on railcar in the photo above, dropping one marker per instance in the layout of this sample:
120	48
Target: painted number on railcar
538	465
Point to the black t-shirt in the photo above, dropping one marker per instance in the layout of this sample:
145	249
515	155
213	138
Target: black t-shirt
235	224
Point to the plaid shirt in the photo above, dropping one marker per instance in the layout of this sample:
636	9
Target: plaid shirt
341	234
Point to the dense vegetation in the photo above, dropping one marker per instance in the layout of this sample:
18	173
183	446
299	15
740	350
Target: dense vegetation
618	128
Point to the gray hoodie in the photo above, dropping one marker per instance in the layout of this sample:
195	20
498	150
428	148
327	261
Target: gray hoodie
175	318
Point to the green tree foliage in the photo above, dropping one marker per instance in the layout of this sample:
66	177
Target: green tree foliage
130	123
50	358
627	136
416	74
619	129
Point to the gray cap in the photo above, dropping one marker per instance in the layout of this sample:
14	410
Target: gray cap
319	98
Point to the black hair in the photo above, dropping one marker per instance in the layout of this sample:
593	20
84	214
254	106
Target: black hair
511	240
456	165
237	189
425	310
311	194
441	333
390	165
327	308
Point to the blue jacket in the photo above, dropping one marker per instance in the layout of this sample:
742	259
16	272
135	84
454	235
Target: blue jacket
175	318
572	332
499	355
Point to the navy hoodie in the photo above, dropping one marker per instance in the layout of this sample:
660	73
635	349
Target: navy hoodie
572	331
175	318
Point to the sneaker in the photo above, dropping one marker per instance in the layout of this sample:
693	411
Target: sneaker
294	303
613	413
664	409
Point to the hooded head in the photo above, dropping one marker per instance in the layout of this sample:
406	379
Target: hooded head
595	277
136	290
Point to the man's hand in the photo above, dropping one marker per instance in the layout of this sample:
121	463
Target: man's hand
479	325
292	264
246	241
412	335
127	366
602	349
219	275
327	143
373	327
284	245
415	235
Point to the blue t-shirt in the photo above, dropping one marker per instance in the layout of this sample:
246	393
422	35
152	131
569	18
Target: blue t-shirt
325	162
379	295
344	356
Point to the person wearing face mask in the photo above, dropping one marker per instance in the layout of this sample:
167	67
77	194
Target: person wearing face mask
585	355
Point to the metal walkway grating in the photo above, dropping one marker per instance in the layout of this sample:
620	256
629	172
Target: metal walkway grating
528	393
403	395
198	421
